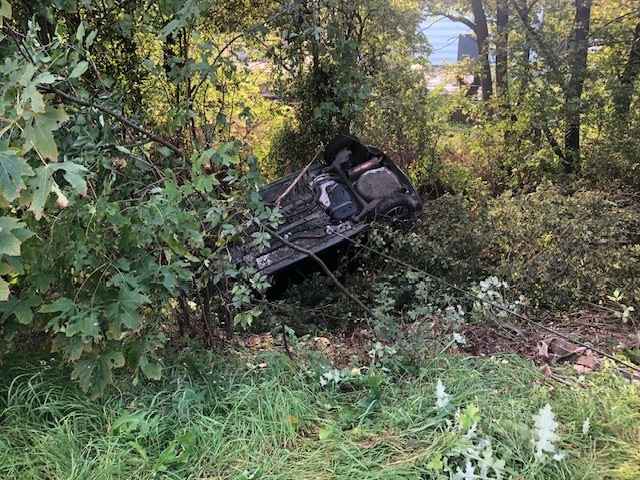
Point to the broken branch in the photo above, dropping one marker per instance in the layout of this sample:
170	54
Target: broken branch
324	268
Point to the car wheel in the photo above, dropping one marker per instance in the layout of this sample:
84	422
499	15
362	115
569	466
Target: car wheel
395	210
359	152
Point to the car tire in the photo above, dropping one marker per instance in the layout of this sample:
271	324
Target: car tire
359	152
394	210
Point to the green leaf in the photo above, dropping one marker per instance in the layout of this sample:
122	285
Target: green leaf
436	463
32	94
74	174
133	421
21	308
180	450
9	244
171	27
62	305
46	78
79	69
137	361
169	281
12	169
65	308
151	370
130	301
94	374
39	133
42	281
12	234
123	149
85	324
75	347
5	10
125	311
4	290
43	185
80	32
243	319
52	118
90	38
134	351
325	434
41	140
27	74
469	416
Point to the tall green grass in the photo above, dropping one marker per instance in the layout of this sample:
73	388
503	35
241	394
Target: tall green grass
214	417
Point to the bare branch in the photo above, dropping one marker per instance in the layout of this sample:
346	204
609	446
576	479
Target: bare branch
324	268
454	18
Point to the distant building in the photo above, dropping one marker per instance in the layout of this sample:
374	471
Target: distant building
451	42
467	47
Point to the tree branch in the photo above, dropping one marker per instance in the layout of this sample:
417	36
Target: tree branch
454	18
464	21
534	36
117	116
557	149
324	268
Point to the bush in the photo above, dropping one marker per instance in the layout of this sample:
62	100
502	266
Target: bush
446	240
560	251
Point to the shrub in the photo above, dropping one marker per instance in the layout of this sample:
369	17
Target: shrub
446	240
560	251
563	250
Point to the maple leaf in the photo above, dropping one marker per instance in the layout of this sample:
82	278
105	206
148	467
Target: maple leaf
12	169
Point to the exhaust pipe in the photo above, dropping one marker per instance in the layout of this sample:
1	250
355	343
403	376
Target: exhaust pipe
355	172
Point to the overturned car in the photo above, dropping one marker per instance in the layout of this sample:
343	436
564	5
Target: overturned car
330	202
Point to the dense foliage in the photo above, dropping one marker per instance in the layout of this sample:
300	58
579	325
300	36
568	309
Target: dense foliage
139	224
560	251
335	59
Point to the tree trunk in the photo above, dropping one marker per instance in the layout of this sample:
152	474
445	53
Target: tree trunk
482	36
578	49
502	43
629	75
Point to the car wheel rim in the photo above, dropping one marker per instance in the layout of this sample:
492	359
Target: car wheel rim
398	213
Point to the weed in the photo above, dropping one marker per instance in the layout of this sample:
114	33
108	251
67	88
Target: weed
493	300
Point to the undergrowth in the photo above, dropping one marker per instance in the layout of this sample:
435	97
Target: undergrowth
239	416
560	251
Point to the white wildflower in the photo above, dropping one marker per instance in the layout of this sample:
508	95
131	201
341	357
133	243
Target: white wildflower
442	397
544	434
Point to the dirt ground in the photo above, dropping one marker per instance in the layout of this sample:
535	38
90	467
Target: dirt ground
598	334
606	334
